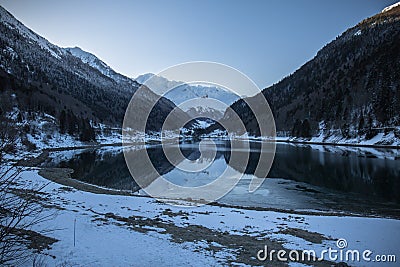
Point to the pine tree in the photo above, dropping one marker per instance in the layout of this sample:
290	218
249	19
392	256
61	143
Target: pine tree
72	123
86	131
63	119
296	128
19	117
360	129
305	129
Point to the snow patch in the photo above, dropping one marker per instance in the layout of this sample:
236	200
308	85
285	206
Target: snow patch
390	7
94	62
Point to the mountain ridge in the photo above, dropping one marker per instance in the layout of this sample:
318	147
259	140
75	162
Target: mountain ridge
191	90
96	63
47	78
180	92
390	7
351	85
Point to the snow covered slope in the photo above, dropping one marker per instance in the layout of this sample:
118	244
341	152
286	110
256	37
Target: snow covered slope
7	19
182	92
95	62
391	7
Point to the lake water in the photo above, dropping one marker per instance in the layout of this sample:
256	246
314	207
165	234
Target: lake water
302	177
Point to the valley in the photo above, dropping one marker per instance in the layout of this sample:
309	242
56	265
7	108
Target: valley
87	176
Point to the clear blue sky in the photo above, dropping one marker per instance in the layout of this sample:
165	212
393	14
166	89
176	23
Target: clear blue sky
266	40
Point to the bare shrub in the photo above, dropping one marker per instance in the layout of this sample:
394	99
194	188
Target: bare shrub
20	206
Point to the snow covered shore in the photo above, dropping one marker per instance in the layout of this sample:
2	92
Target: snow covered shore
140	231
380	140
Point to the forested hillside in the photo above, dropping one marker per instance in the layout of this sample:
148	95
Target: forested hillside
350	87
71	85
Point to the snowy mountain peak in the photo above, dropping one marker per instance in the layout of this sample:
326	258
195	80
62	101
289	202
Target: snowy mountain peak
96	63
144	77
391	7
12	23
191	98
86	57
179	92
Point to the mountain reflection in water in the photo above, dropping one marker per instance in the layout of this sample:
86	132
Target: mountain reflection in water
303	177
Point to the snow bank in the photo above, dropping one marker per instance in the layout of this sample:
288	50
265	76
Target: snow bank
100	243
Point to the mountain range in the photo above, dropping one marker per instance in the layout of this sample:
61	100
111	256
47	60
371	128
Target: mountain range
350	87
43	77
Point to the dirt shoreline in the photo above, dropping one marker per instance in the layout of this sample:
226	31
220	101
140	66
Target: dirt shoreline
63	176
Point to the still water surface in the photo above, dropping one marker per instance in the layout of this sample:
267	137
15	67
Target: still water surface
302	177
